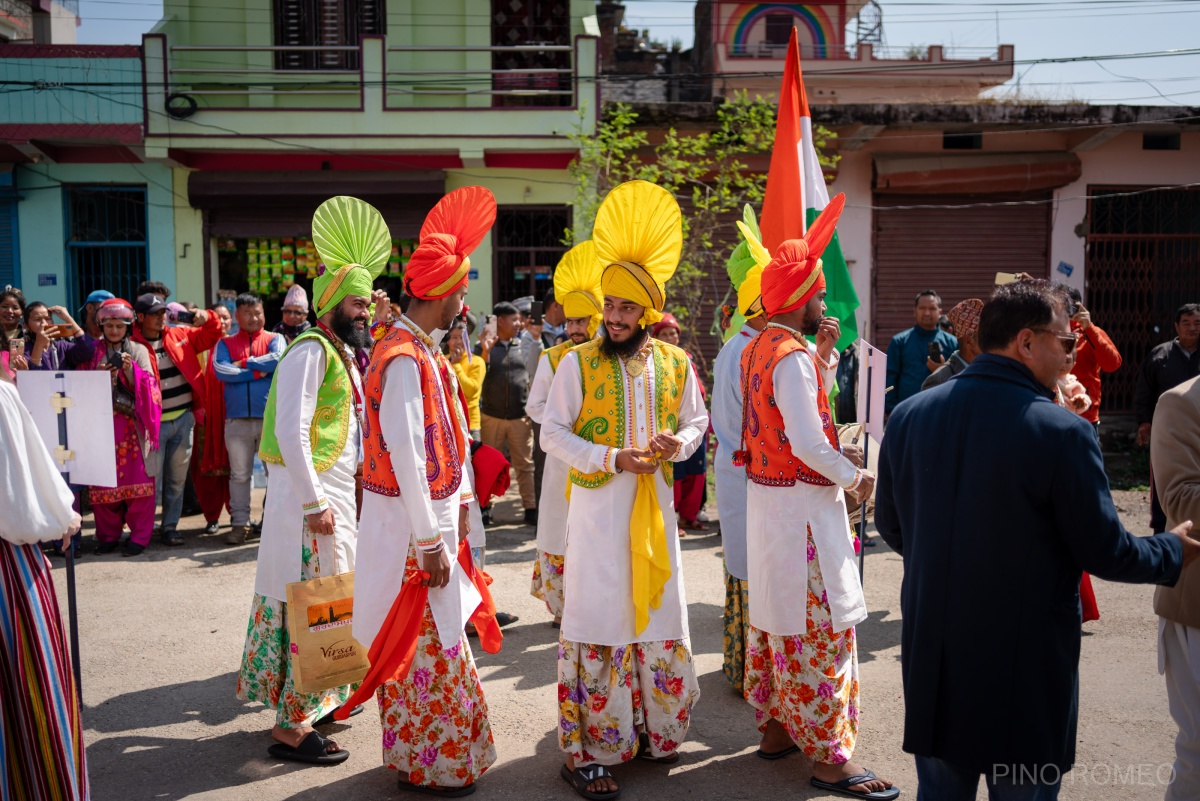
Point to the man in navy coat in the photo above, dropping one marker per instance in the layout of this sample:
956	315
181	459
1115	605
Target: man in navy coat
995	526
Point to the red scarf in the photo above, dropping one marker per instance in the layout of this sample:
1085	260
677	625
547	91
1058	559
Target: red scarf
395	645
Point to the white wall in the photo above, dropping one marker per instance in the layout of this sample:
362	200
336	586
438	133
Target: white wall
854	230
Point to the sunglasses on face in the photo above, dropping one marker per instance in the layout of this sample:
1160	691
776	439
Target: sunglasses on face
1068	341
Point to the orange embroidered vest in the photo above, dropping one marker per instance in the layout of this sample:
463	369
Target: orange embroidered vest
444	445
766	452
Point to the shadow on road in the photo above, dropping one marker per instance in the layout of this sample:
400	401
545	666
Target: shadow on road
208	701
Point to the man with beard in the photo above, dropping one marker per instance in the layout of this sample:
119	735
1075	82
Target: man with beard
577	283
805	595
619	407
416	501
311	435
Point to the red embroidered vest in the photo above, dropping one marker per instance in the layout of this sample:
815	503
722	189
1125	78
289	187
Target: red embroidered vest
444	445
766	451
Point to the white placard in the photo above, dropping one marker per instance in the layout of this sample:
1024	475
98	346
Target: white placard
872	379
90	435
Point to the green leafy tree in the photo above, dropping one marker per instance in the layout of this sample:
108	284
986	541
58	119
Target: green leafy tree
706	172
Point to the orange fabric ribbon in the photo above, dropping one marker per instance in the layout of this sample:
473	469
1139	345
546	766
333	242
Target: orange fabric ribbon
395	645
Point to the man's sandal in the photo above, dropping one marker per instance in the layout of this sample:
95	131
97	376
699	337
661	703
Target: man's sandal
843	787
580	778
313	749
434	790
644	753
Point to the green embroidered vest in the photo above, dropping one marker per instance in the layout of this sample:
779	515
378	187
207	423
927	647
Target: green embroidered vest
331	419
555	354
601	419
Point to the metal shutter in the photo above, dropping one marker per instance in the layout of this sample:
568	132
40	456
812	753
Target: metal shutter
956	251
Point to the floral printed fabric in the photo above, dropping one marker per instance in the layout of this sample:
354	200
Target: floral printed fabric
609	695
737	631
548	581
435	722
266	675
809	682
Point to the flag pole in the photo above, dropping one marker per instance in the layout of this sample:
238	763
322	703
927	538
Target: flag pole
862	510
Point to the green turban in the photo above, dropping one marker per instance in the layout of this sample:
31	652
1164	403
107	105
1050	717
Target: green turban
354	244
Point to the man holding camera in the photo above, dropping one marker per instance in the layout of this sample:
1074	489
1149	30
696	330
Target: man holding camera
175	350
913	354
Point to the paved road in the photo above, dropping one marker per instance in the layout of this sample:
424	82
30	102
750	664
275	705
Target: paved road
162	636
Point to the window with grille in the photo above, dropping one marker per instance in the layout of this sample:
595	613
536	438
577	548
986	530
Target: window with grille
1143	246
526	246
106	240
527	77
325	24
779	29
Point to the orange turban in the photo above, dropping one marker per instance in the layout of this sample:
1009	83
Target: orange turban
457	224
794	273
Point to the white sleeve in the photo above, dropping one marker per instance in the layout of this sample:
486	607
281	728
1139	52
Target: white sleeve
558	423
297	380
693	418
727	399
796	380
35	498
402	421
539	390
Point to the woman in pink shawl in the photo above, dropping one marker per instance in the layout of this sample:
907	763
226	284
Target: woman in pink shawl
137	410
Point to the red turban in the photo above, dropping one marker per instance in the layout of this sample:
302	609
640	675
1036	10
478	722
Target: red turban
457	224
794	273
668	321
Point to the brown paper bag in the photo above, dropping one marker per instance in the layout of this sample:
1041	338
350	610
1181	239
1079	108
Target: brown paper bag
324	653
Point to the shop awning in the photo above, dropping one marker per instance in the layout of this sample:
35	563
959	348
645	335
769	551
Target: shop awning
974	173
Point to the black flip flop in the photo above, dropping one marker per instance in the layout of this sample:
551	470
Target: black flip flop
327	718
644	753
761	754
440	792
312	750
843	787
580	778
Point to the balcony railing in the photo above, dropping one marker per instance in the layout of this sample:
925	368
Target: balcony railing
807	51
411	76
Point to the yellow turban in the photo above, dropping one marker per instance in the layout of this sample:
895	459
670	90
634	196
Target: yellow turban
750	294
577	285
750	291
639	238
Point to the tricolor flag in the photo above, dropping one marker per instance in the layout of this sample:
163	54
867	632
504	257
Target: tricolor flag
796	193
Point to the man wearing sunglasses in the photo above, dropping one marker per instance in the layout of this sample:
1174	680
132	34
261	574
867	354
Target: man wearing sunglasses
996	556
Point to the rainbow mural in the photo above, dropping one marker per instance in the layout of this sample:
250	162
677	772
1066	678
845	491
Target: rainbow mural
813	18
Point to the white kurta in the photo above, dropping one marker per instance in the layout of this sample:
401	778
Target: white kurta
552	505
297	483
35	499
598	582
391	524
777	516
727	422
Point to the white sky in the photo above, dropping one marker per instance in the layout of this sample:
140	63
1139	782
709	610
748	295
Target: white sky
1039	30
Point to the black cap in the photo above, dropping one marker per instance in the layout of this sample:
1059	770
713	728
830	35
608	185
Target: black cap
149	304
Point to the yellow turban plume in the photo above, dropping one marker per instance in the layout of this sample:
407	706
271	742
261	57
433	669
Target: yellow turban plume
639	238
577	285
750	291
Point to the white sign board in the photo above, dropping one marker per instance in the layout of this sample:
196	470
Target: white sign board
88	412
872	386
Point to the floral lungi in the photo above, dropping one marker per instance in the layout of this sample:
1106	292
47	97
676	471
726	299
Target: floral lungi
609	695
737	631
435	722
809	682
266	675
547	581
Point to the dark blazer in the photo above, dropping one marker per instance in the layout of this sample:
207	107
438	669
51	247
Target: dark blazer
997	498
